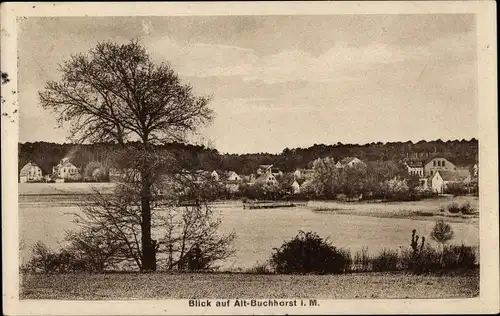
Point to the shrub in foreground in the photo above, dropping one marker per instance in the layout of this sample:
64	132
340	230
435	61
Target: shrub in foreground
442	232
453	208
308	253
458	257
467	209
386	260
45	260
423	258
347	258
362	260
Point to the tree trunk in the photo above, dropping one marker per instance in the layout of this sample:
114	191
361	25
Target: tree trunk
148	249
148	246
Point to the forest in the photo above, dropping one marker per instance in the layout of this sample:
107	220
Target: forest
193	157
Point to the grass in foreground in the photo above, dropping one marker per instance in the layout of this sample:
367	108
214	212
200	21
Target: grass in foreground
229	285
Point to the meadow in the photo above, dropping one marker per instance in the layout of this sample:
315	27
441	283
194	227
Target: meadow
231	285
44	216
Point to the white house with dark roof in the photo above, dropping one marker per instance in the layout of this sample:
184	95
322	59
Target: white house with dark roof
65	170
233	176
267	178
30	172
441	179
233	181
438	164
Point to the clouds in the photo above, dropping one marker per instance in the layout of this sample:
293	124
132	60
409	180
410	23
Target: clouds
339	63
288	81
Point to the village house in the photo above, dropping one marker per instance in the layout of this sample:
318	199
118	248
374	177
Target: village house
263	169
233	176
441	179
438	164
415	168
267	178
348	162
269	169
215	176
233	181
65	170
30	172
475	169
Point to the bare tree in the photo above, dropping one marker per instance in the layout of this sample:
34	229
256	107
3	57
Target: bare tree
116	93
191	240
187	234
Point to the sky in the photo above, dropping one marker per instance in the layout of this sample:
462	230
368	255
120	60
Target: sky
283	81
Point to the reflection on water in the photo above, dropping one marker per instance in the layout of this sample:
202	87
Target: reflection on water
258	231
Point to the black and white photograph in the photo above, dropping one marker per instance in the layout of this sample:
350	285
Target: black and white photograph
236	158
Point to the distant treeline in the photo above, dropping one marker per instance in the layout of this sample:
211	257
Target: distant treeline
463	152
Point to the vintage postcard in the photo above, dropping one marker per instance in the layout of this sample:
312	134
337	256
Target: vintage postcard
249	158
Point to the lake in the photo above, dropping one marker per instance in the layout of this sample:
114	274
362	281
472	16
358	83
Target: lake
47	217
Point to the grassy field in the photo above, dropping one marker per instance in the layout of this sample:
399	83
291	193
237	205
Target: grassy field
64	188
428	209
228	285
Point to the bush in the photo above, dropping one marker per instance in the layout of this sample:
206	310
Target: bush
362	260
467	209
45	260
195	260
426	259
346	254
387	260
457	189
453	208
308	253
458	257
442	232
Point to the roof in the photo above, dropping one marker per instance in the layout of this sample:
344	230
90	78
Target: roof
456	175
438	157
65	163
263	178
415	163
232	174
300	181
265	166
